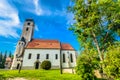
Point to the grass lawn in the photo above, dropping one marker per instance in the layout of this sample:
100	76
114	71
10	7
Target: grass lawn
37	75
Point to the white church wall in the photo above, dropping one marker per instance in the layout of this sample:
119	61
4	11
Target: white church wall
68	63
52	52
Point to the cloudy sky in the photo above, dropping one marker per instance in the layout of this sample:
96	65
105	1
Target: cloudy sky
51	21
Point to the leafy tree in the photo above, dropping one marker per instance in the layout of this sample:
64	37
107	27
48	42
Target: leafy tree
97	23
87	62
112	62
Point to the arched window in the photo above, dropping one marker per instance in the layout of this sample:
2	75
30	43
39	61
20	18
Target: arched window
18	65
56	56
29	56
47	56
71	58
38	56
64	58
27	29
19	43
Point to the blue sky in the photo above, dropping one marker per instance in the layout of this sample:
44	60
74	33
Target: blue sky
51	21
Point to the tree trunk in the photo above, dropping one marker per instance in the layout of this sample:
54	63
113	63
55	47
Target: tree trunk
99	52
97	46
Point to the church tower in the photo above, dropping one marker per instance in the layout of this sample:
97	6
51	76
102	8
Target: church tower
28	30
26	37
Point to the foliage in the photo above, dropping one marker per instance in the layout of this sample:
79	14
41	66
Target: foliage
87	62
46	65
10	55
97	24
112	62
2	60
37	75
3	57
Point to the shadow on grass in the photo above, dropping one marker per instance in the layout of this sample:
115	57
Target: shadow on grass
101	79
2	77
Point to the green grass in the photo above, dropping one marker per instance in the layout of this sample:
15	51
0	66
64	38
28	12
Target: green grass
38	75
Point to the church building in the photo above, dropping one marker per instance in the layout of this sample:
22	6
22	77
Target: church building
30	52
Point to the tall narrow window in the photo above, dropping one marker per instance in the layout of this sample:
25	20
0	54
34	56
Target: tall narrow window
56	56
64	58
18	65
27	29
29	56
47	56
71	58
38	56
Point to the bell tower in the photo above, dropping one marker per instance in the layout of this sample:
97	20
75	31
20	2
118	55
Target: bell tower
26	37
28	30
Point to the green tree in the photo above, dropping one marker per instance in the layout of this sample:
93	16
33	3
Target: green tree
97	23
10	54
86	64
4	59
0	56
1	60
112	62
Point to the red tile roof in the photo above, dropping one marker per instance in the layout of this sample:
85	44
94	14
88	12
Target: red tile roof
48	44
66	47
41	44
8	59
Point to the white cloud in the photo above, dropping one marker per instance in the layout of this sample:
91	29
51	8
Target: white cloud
36	28
9	20
70	18
38	10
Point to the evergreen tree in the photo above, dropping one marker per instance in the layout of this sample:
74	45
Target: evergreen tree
4	58
10	54
1	60
0	56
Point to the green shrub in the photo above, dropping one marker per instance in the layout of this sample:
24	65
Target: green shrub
86	64
46	65
112	62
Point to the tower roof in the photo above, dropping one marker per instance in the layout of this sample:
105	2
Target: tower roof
29	19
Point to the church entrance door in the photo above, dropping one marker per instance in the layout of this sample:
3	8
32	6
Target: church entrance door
37	65
18	65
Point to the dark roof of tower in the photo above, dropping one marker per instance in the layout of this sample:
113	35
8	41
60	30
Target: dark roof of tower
29	19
